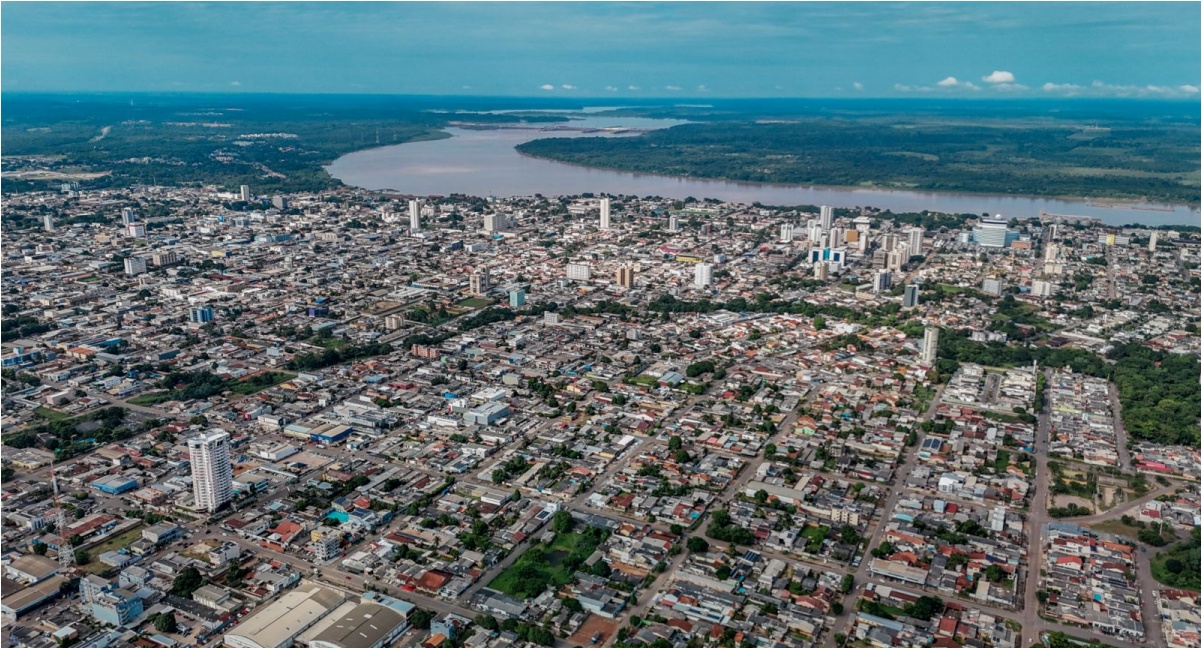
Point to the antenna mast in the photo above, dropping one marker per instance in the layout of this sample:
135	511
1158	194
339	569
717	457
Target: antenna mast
66	553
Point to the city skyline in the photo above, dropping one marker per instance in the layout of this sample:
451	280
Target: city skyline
618	50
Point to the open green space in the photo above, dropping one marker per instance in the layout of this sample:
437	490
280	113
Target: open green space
50	413
475	302
549	565
111	544
814	535
261	381
1180	566
644	379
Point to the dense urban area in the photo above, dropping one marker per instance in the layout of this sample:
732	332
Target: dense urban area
347	418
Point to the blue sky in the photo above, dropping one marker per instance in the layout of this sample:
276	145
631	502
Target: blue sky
847	49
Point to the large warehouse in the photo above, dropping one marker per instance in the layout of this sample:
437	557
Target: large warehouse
278	623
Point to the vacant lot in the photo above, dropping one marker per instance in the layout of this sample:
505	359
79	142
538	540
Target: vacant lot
593	624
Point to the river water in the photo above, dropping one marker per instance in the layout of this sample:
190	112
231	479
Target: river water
484	163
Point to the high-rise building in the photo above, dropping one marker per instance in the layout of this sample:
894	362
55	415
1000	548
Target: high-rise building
881	281
200	314
993	233
517	297
624	276
910	298
1040	288
580	272
992	286
246	193
820	271
495	223
786	233
1152	241
930	345
1050	251
415	215
673	223
128	216
895	259
835	238
604	213
703	274
826	215
165	258
135	265
48	222
212	473
915	242
135	231
279	202
479	283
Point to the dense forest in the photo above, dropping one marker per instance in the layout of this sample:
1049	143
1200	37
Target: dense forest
1152	160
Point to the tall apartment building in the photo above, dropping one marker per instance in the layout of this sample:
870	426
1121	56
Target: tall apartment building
826	215
128	216
915	241
480	282
246	193
930	345
786	233
703	274
212	473
200	314
580	272
135	265
673	223
881	281
910	298
624	276
604	213
415	215
48	222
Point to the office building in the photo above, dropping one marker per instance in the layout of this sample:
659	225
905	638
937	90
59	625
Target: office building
604	213
200	314
992	233
116	607
625	276
415	215
212	473
480	282
786	233
930	345
673	223
915	242
992	286
703	274
135	265
580	272
246	193
826	215
834	257
517	297
881	281
910	298
48	222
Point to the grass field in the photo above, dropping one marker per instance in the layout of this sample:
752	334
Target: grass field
643	379
814	534
152	399
475	303
261	382
111	544
328	342
547	565
50	413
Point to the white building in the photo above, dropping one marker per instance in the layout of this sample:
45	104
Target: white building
826	215
128	216
1040	288
135	265
673	223
212	473
135	231
786	233
415	215
480	282
1152	241
604	213
246	193
703	274
48	223
495	223
580	272
915	242
930	345
881	281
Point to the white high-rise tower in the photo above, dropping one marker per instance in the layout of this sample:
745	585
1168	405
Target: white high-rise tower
786	233
212	473
915	241
930	345
826	215
48	222
604	213
415	215
673	223
703	275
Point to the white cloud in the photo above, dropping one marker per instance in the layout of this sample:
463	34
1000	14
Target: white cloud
702	88
857	85
611	88
672	88
1191	90
1062	87
568	86
949	82
901	87
1010	87
235	83
547	86
467	87
632	87
999	76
